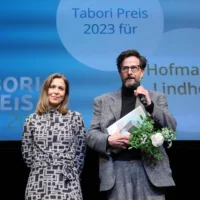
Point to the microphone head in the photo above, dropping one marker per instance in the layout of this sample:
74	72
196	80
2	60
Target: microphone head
136	85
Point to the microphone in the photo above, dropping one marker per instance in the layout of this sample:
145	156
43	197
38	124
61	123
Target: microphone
141	96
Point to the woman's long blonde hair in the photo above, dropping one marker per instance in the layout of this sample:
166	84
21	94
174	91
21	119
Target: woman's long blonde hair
43	103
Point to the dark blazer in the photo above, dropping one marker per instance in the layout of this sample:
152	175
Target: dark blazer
107	109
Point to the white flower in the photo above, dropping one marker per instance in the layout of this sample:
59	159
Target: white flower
143	139
157	139
169	144
165	131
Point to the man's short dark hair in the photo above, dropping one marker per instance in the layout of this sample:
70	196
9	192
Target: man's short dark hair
128	53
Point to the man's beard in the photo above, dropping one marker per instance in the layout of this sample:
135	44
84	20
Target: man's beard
129	84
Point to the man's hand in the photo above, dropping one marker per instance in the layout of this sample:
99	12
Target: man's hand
118	141
142	90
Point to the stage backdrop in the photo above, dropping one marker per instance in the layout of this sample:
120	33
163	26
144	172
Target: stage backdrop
81	39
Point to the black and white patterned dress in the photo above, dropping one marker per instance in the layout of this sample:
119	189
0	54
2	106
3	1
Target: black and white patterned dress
53	146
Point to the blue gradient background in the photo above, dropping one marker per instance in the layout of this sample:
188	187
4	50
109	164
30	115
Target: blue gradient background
30	47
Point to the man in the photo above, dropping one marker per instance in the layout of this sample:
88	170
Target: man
129	174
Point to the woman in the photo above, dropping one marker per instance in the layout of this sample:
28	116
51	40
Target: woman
53	145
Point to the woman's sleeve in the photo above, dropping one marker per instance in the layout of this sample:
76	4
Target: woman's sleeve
27	142
80	143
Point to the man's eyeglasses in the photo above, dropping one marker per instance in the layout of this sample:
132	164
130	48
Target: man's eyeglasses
134	69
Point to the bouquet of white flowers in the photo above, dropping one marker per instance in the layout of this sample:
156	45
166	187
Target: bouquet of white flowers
148	139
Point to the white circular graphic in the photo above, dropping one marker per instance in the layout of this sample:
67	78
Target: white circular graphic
174	70
96	32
